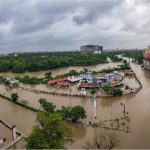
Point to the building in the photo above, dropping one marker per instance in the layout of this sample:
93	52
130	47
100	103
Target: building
12	82
59	82
146	61
97	49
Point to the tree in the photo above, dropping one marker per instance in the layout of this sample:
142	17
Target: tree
29	80
14	97
107	88
65	112
6	82
93	92
19	67
47	106
117	92
103	141
48	75
51	133
77	113
125	62
73	73
72	113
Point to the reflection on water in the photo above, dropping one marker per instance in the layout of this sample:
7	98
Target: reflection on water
137	105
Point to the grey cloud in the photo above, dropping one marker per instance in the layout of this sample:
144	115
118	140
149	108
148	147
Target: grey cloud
63	24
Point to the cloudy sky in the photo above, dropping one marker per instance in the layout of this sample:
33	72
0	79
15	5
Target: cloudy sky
56	25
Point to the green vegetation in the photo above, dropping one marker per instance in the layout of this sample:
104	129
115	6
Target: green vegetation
117	92
24	102
107	88
14	97
47	106
114	57
48	60
136	55
48	75
93	92
18	103
110	70
34	80
77	112
50	133
70	73
4	80
30	80
73	113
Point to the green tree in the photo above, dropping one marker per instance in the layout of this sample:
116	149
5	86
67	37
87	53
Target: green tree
29	80
65	112
93	92
77	113
107	88
19	67
48	75
6	82
47	106
117	92
72	113
14	97
51	133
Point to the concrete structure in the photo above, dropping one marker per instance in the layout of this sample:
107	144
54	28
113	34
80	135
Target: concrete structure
12	140
146	61
97	49
13	82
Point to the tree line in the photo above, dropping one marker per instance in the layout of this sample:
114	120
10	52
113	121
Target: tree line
34	62
19	63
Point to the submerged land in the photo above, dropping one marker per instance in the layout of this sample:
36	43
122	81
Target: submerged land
28	75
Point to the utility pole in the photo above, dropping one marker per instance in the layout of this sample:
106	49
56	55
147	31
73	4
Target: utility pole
94	106
70	90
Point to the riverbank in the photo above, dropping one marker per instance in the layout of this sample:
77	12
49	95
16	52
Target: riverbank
137	106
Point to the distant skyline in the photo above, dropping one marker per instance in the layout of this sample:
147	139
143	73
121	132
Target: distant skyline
58	25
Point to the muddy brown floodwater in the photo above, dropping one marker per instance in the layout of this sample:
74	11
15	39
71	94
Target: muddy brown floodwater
63	70
138	106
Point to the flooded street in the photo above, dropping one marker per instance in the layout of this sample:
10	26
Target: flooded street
138	106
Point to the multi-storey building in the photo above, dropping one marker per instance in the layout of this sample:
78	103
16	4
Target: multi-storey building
91	49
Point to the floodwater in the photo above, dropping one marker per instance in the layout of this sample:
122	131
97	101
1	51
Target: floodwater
13	114
137	105
63	70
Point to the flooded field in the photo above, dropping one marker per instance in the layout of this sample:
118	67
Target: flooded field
63	70
137	105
